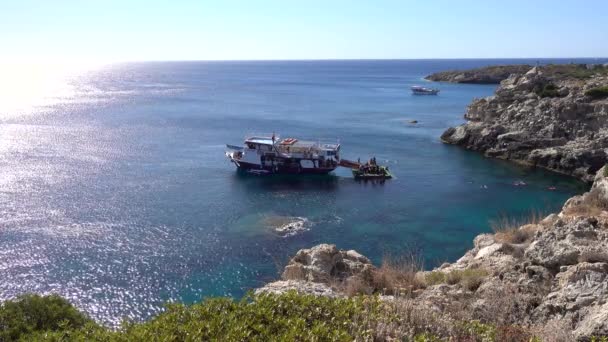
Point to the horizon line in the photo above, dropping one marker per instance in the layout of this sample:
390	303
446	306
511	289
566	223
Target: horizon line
347	59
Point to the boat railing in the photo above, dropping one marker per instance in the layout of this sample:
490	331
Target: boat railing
261	135
321	143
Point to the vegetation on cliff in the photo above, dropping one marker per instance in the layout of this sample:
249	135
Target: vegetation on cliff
598	92
265	317
494	74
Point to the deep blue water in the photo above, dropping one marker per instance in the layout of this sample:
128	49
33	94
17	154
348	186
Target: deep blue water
118	196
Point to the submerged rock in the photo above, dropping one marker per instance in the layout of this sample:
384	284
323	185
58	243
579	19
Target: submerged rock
287	225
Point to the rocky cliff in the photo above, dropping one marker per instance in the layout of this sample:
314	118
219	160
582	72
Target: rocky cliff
550	273
552	117
486	75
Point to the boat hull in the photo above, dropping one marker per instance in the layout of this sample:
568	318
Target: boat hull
242	166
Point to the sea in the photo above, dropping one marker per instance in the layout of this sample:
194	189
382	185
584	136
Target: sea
115	191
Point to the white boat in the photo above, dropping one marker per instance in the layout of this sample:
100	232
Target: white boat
262	154
418	90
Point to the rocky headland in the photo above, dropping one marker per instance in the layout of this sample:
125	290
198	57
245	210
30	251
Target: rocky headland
555	117
550	274
487	75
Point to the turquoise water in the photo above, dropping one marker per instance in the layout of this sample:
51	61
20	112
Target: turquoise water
116	193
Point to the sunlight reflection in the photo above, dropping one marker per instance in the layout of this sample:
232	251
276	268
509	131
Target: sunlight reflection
25	86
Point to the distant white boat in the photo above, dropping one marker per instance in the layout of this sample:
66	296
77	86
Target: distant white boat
418	90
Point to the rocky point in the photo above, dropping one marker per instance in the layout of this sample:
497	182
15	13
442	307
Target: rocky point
543	118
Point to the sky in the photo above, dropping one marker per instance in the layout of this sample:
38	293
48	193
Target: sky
134	30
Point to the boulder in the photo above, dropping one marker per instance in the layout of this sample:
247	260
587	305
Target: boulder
324	263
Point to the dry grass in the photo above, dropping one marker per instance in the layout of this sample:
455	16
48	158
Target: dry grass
470	279
594	203
505	306
555	330
407	320
398	275
355	286
593	256
516	230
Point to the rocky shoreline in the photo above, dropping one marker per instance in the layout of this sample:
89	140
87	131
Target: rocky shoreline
486	75
549	274
555	117
552	272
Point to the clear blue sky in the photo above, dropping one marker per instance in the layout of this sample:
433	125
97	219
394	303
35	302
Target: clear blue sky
308	29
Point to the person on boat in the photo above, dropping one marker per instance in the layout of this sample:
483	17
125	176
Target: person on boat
273	138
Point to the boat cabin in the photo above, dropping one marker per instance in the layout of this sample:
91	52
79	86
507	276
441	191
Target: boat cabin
293	148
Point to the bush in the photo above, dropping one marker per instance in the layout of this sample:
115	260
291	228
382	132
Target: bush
513	230
548	90
597	93
593	203
31	313
398	276
267	317
470	278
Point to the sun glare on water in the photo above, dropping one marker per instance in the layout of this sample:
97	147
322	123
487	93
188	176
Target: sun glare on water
28	86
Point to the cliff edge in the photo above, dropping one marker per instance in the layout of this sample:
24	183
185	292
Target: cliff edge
550	274
487	75
551	117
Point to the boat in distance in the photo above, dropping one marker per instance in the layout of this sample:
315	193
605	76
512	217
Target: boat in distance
269	154
418	90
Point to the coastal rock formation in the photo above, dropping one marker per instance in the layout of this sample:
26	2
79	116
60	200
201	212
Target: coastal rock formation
545	117
316	269
486	75
550	274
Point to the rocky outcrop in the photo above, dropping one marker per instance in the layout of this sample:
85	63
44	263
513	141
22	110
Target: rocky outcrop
486	75
560	271
542	118
318	269
554	270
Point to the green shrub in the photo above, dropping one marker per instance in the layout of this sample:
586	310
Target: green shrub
484	332
597	93
606	170
31	313
267	317
548	90
435	277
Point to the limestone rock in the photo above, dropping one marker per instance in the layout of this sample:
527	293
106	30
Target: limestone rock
325	263
540	119
303	287
485	75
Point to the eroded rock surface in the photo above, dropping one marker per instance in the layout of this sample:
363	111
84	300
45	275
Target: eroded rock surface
485	75
542	118
316	269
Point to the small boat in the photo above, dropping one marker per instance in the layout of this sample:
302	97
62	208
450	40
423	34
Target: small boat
418	90
376	172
